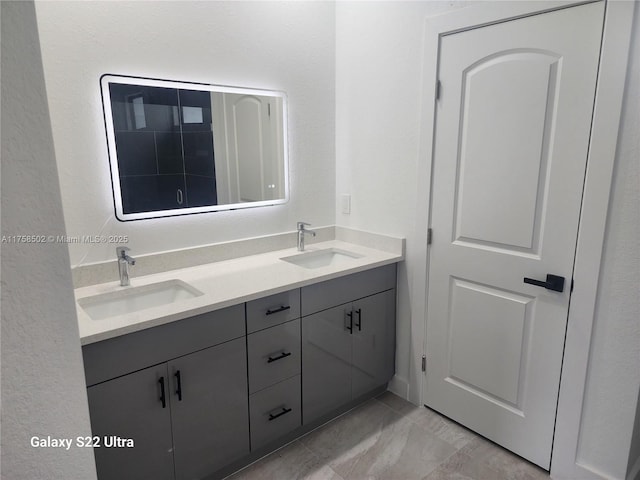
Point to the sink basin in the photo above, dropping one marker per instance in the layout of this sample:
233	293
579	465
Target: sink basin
133	299
322	258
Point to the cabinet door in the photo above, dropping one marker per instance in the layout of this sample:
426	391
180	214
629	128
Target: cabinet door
373	342
209	409
326	362
131	407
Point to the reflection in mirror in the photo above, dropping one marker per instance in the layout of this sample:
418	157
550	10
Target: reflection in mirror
177	148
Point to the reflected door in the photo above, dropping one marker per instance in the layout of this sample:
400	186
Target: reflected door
251	127
512	134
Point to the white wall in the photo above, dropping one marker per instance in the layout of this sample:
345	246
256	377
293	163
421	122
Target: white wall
43	388
378	106
613	377
286	46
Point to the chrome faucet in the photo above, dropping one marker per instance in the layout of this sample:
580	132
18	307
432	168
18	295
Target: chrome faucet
301	232
124	261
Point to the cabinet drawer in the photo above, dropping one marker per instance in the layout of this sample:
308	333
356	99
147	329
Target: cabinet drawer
127	353
274	412
273	310
274	354
331	293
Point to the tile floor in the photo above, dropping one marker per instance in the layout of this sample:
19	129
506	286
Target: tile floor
387	438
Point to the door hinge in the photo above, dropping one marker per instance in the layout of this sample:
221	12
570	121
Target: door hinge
424	363
438	89
429	236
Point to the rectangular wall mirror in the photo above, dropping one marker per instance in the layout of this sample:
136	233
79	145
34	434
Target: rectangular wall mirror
177	148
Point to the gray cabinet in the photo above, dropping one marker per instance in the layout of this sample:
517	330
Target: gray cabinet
274	367
131	407
273	354
200	394
189	415
326	362
209	415
373	342
275	411
273	310
348	349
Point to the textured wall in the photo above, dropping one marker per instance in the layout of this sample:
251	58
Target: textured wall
614	367
286	46
43	390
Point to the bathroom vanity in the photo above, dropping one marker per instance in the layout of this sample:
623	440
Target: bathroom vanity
204	394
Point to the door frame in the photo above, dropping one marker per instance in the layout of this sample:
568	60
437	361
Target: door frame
593	214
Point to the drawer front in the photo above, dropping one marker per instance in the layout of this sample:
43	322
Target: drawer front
274	412
127	353
274	355
273	310
331	293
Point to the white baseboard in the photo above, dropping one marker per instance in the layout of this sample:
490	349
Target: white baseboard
399	386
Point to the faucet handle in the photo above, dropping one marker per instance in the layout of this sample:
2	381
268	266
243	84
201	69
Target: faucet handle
301	225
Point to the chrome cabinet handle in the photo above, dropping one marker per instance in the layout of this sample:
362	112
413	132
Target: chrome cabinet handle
179	197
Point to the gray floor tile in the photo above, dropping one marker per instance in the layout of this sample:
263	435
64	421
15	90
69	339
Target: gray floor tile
375	442
397	403
434	423
293	462
388	438
490	461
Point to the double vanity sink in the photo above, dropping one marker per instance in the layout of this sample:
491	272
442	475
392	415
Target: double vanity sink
133	299
108	310
208	368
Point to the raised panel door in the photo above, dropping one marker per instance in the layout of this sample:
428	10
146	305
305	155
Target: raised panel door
511	142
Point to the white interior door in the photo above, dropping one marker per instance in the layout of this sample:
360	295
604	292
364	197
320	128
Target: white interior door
512	133
249	132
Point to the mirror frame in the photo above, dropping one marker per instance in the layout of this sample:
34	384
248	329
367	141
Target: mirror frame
108	78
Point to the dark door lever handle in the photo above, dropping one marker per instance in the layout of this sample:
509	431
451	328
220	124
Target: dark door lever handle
554	282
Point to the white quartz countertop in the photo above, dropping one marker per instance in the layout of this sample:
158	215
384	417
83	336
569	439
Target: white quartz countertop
224	284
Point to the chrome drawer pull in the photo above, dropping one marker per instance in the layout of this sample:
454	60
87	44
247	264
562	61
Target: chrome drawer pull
278	310
279	357
283	412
